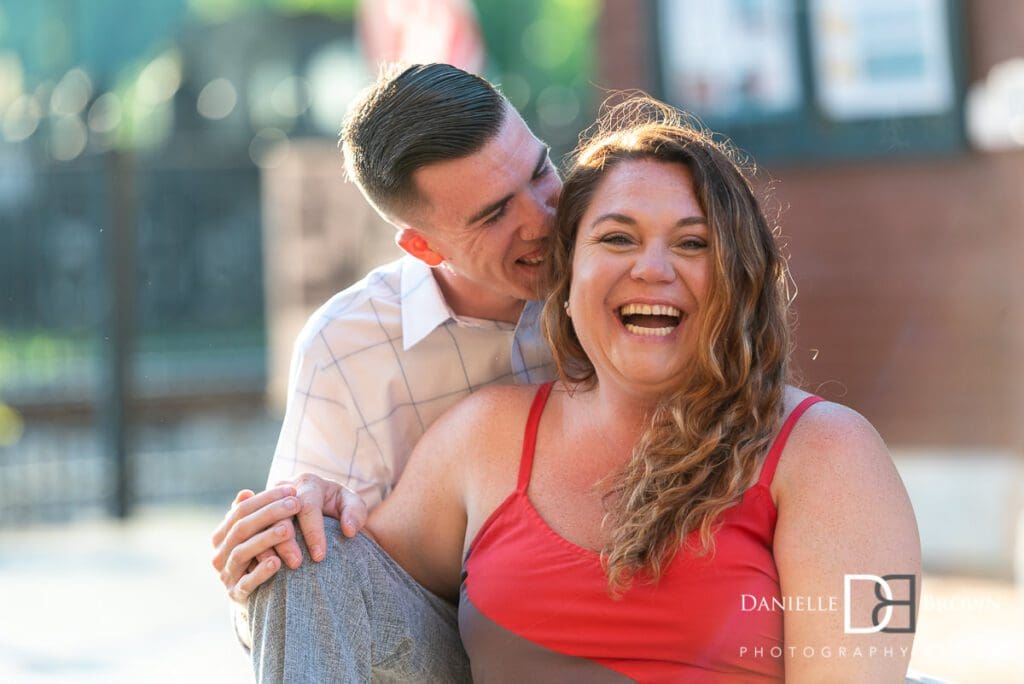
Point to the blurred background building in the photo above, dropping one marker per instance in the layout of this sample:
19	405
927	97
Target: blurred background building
136	330
891	136
172	207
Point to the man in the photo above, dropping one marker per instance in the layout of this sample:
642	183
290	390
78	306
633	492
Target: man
443	157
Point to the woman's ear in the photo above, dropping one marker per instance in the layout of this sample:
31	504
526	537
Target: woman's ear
414	244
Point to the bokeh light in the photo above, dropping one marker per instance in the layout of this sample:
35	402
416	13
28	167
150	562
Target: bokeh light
21	119
335	73
557	106
11	79
268	147
263	83
12	425
71	94
68	137
516	89
160	79
217	99
291	97
105	113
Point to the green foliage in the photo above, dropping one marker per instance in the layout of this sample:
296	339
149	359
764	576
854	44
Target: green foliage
222	10
41	356
542	54
46	357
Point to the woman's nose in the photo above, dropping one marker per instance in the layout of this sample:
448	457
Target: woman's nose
653	264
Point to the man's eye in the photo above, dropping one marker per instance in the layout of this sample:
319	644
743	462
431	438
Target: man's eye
496	216
544	170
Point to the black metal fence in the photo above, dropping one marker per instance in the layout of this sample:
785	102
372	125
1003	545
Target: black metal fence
131	333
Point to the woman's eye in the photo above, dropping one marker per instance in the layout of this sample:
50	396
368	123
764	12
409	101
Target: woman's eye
693	243
616	239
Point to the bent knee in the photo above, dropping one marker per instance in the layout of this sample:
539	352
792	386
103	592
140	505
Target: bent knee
346	563
337	542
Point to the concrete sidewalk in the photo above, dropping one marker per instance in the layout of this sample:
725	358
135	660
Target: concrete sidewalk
107	602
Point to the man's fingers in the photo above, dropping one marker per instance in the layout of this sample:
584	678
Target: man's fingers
311	518
290	553
353	512
260	574
311	522
247	505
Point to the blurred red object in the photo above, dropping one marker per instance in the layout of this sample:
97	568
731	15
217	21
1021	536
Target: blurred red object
421	31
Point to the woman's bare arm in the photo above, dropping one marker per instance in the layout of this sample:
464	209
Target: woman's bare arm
843	510
422	524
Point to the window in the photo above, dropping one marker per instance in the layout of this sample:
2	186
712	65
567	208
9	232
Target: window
806	79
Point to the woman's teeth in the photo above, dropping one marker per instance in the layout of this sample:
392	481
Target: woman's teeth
531	261
649	310
649	332
650	320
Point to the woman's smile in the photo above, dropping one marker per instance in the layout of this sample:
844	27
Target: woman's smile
650	320
640	274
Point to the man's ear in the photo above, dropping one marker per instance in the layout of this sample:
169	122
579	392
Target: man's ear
414	244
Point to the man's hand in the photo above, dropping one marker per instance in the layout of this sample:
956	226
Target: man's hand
258	532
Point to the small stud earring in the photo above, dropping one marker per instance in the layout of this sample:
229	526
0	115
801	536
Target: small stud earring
565	305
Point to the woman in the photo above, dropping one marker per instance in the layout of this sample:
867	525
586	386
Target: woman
645	517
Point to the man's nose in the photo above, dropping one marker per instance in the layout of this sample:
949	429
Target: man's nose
653	265
543	203
538	222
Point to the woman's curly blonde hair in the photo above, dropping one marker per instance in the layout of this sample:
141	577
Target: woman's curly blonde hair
706	440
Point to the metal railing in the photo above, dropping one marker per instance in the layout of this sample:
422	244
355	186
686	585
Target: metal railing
131	296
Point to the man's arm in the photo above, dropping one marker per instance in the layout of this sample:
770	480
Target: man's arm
320	435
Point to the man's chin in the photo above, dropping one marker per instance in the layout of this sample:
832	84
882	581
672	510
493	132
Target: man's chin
531	292
532	286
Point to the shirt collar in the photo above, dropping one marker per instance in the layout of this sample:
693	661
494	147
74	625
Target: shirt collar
423	305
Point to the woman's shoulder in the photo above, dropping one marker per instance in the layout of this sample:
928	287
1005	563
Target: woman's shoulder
488	417
829	444
827	420
496	404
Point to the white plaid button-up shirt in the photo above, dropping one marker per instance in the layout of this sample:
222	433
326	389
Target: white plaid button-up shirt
378	363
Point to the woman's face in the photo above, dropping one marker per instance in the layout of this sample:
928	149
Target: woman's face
640	276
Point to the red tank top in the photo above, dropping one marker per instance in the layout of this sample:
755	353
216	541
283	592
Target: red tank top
535	607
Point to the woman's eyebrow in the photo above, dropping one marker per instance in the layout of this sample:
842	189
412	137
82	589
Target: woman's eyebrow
630	221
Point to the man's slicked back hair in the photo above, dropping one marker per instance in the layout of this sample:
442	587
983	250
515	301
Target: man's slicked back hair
407	119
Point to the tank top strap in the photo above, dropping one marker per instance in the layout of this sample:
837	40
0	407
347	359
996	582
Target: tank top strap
530	438
771	462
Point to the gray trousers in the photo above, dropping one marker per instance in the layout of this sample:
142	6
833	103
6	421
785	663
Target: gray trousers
357	616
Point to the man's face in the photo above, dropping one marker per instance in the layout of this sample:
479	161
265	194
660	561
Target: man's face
488	214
